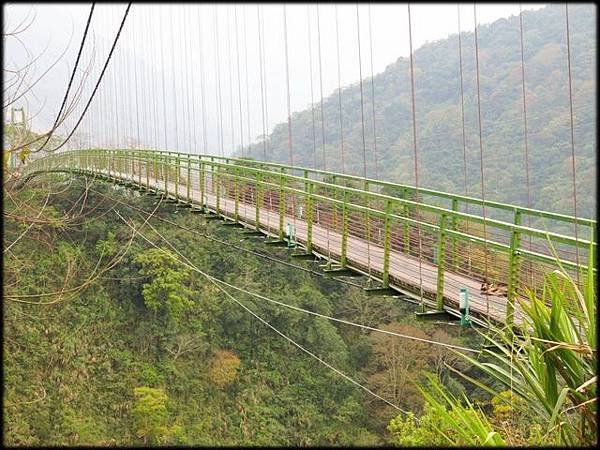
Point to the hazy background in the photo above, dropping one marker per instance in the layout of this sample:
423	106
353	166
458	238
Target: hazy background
155	72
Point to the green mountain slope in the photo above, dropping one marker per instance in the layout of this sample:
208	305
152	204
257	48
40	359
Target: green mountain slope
438	111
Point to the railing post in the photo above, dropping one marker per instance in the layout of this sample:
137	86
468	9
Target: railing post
166	173
218	187
139	162
406	213
387	239
333	204
201	182
514	263
177	175
281	204
189	176
308	205
146	168
259	201
236	194
454	226
367	205
439	296
344	258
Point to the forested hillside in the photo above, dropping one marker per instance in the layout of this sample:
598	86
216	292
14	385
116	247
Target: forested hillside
438	111
108	340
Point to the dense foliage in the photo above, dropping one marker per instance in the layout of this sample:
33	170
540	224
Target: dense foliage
438	113
151	352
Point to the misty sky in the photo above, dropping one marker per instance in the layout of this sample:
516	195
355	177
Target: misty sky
156	70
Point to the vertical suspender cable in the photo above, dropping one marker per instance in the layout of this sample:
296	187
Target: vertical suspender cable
289	111
239	78
485	256
244	15
263	68
173	72
191	106
116	96
262	91
144	122
525	130
364	143
337	39
327	225
232	149
462	106
287	80
135	78
154	86
237	56
202	81
155	105
464	135
264	53
312	96
126	95
162	72
218	77
416	161
321	90
375	156
573	166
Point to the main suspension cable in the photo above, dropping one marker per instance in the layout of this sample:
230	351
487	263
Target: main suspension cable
79	53
98	82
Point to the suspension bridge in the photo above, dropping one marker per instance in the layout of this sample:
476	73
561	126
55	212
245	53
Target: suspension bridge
411	243
430	245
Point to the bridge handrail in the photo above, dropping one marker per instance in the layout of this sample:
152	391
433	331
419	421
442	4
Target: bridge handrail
583	243
556	237
426	191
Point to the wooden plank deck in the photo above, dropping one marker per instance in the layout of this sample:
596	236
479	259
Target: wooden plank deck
407	273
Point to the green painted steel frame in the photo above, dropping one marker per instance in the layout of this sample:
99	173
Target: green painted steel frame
278	177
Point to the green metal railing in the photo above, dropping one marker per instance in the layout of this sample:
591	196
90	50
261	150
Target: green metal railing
389	215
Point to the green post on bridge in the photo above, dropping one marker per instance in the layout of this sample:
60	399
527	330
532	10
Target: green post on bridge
189	177
281	204
439	295
236	194
201	182
344	257
406	213
309	217
217	182
177	175
454	226
514	261
166	173
258	201
387	238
